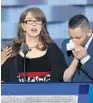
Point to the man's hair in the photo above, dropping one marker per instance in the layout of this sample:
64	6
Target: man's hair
78	21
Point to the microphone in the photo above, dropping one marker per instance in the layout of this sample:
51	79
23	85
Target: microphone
25	49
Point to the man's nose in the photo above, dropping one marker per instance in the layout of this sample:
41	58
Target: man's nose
75	41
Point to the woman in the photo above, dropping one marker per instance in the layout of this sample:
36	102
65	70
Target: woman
44	60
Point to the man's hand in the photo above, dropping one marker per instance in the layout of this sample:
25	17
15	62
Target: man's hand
79	52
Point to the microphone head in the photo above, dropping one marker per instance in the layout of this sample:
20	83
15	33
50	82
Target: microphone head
24	48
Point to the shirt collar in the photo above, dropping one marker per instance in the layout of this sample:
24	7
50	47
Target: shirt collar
88	42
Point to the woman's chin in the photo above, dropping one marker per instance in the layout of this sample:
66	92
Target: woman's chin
34	35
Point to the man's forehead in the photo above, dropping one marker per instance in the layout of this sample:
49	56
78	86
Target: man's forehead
76	33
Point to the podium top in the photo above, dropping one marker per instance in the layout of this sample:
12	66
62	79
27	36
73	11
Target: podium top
44	88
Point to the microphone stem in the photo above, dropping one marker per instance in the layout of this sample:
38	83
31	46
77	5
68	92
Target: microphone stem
24	67
83	70
87	74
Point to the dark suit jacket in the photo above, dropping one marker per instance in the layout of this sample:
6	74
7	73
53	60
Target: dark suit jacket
79	76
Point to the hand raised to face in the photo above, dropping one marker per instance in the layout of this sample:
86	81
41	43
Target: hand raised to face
79	52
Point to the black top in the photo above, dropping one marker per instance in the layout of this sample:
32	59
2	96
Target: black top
49	67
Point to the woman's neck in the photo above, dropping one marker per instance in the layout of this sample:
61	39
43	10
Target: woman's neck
32	42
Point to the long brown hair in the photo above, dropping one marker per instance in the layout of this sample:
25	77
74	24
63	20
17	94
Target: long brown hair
44	35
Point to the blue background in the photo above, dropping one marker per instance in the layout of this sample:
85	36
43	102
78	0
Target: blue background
57	12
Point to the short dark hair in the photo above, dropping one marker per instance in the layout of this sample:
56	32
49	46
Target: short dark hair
78	21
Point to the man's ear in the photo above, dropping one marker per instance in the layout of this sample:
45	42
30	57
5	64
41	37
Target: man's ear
89	32
23	26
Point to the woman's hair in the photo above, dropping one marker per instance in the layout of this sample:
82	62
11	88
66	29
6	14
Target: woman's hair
44	37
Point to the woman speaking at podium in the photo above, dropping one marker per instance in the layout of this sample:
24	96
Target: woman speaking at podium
44	61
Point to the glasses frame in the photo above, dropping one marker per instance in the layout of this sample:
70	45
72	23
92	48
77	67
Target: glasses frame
38	22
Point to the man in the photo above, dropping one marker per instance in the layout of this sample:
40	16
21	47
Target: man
78	50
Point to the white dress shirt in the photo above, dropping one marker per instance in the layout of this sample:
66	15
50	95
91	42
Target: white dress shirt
85	59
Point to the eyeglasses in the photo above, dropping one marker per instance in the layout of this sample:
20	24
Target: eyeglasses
30	22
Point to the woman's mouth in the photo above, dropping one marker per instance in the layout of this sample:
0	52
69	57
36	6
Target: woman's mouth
34	30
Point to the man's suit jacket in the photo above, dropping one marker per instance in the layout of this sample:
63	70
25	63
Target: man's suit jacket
79	76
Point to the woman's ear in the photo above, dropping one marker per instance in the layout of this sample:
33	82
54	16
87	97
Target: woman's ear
23	26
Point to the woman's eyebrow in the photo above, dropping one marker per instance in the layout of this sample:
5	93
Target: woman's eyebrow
30	18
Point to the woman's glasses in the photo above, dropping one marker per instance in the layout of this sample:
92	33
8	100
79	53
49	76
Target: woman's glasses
30	22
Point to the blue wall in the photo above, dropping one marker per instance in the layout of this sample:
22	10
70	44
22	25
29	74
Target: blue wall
58	12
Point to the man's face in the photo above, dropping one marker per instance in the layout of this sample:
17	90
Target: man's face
78	36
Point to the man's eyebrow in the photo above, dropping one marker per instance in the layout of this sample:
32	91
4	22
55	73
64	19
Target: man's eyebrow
76	37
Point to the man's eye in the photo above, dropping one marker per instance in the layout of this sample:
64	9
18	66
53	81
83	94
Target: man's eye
78	38
29	20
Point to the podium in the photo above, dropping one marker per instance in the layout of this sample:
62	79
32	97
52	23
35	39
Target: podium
46	93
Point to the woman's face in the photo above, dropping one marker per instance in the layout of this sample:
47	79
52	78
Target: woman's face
31	26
